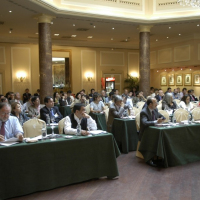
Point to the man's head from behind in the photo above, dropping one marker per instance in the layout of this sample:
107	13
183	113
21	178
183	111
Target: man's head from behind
79	110
4	111
151	103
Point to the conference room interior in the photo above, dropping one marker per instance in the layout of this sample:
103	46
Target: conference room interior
91	40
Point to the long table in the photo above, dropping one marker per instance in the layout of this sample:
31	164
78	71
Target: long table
125	133
177	145
100	120
30	167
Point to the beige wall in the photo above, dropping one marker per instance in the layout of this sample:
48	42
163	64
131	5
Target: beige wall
15	58
171	58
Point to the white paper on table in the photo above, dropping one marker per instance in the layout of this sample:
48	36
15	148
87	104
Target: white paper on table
54	124
8	143
96	132
14	139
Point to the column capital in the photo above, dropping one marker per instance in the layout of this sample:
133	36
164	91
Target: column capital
43	18
144	28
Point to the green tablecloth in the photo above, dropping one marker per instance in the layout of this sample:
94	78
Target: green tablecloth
125	133
100	120
176	145
30	167
65	110
49	130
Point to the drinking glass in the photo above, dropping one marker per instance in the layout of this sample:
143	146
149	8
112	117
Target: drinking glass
52	125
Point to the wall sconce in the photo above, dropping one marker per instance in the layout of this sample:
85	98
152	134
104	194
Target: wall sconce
134	74
21	76
89	76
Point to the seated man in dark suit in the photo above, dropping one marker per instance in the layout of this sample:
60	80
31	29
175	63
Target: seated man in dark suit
160	95
51	110
116	110
79	116
149	116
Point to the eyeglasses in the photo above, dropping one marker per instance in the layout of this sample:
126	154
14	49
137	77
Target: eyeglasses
4	114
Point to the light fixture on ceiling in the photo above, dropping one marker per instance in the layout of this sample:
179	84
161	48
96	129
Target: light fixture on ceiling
157	70
94	26
170	27
112	49
90	37
167	37
156	40
113	28
10	11
111	38
36	33
197	24
181	69
74	24
73	36
56	34
51	22
10	31
179	34
193	3
126	40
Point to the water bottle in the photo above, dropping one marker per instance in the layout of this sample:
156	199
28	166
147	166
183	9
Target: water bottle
174	119
47	119
44	131
78	129
21	120
189	118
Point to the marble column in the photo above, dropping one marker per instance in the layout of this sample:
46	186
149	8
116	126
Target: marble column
45	55
144	63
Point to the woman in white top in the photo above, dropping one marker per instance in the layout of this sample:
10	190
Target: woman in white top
185	103
96	106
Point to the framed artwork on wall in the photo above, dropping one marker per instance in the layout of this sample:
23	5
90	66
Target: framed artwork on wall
188	79
171	79
196	78
163	80
179	79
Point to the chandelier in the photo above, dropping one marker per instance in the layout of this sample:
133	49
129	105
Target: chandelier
193	3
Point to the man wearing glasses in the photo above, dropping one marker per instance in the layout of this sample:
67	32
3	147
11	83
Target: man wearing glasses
9	125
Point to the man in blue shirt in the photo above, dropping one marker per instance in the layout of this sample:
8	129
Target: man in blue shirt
9	125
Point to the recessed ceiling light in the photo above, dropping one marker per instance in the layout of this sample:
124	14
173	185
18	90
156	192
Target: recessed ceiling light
112	49
36	33
181	69
157	70
51	22
126	40
74	24
73	35
190	69
111	38
113	28
90	37
170	27
10	31
156	40
10	11
197	24
165	70
167	37
56	34
94	26
179	34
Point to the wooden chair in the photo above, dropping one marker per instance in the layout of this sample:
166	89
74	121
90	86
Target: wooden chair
181	115
137	121
87	109
61	125
196	113
136	110
165	114
140	104
33	127
106	111
159	107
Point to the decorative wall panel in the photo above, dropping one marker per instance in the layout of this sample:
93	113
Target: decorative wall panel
152	57
111	58
165	56
133	62
182	53
2	55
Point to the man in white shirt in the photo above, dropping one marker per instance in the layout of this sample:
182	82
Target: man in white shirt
79	116
9	125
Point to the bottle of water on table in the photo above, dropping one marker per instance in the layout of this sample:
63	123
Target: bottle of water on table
78	129
48	119
44	131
